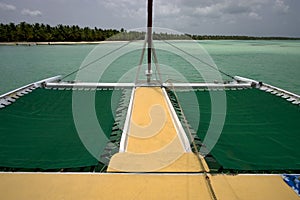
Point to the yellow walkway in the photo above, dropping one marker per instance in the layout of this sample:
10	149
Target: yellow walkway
56	186
102	186
251	187
153	143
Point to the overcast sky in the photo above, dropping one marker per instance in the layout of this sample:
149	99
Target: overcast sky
217	17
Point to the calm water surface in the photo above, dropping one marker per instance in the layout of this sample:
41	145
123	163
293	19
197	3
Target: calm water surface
273	62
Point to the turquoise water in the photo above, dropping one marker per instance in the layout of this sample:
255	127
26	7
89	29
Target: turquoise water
25	64
273	62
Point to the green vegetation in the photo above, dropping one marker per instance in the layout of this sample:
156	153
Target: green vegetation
24	32
237	37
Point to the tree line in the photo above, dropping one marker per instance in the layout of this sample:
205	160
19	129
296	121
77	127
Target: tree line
237	37
25	32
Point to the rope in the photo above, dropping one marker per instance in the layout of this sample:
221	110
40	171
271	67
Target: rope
210	187
186	124
157	68
208	182
141	61
211	66
96	60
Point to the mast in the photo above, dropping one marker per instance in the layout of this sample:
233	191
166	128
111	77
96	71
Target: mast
149	39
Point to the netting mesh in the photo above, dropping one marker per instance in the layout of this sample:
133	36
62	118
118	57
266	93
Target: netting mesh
38	130
261	131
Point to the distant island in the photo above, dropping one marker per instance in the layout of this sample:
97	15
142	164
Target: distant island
25	32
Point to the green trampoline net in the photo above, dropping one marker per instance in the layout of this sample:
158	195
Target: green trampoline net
38	130
261	131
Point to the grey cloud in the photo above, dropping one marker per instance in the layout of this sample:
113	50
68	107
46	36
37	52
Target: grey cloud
281	7
254	15
236	9
167	9
227	7
125	8
32	13
244	17
8	7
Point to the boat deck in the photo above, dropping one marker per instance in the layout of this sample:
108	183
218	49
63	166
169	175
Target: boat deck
155	142
142	186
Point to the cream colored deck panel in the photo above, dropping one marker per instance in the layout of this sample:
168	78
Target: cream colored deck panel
252	187
186	162
102	186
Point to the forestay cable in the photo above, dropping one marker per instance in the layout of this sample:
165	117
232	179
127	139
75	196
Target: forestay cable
211	66
96	60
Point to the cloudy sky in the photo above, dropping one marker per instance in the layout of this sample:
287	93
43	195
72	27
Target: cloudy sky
217	17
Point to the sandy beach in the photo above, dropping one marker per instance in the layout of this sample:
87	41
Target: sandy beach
56	43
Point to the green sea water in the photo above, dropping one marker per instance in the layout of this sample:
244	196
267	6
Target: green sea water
273	62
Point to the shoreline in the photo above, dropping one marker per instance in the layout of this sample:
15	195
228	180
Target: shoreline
56	43
101	42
